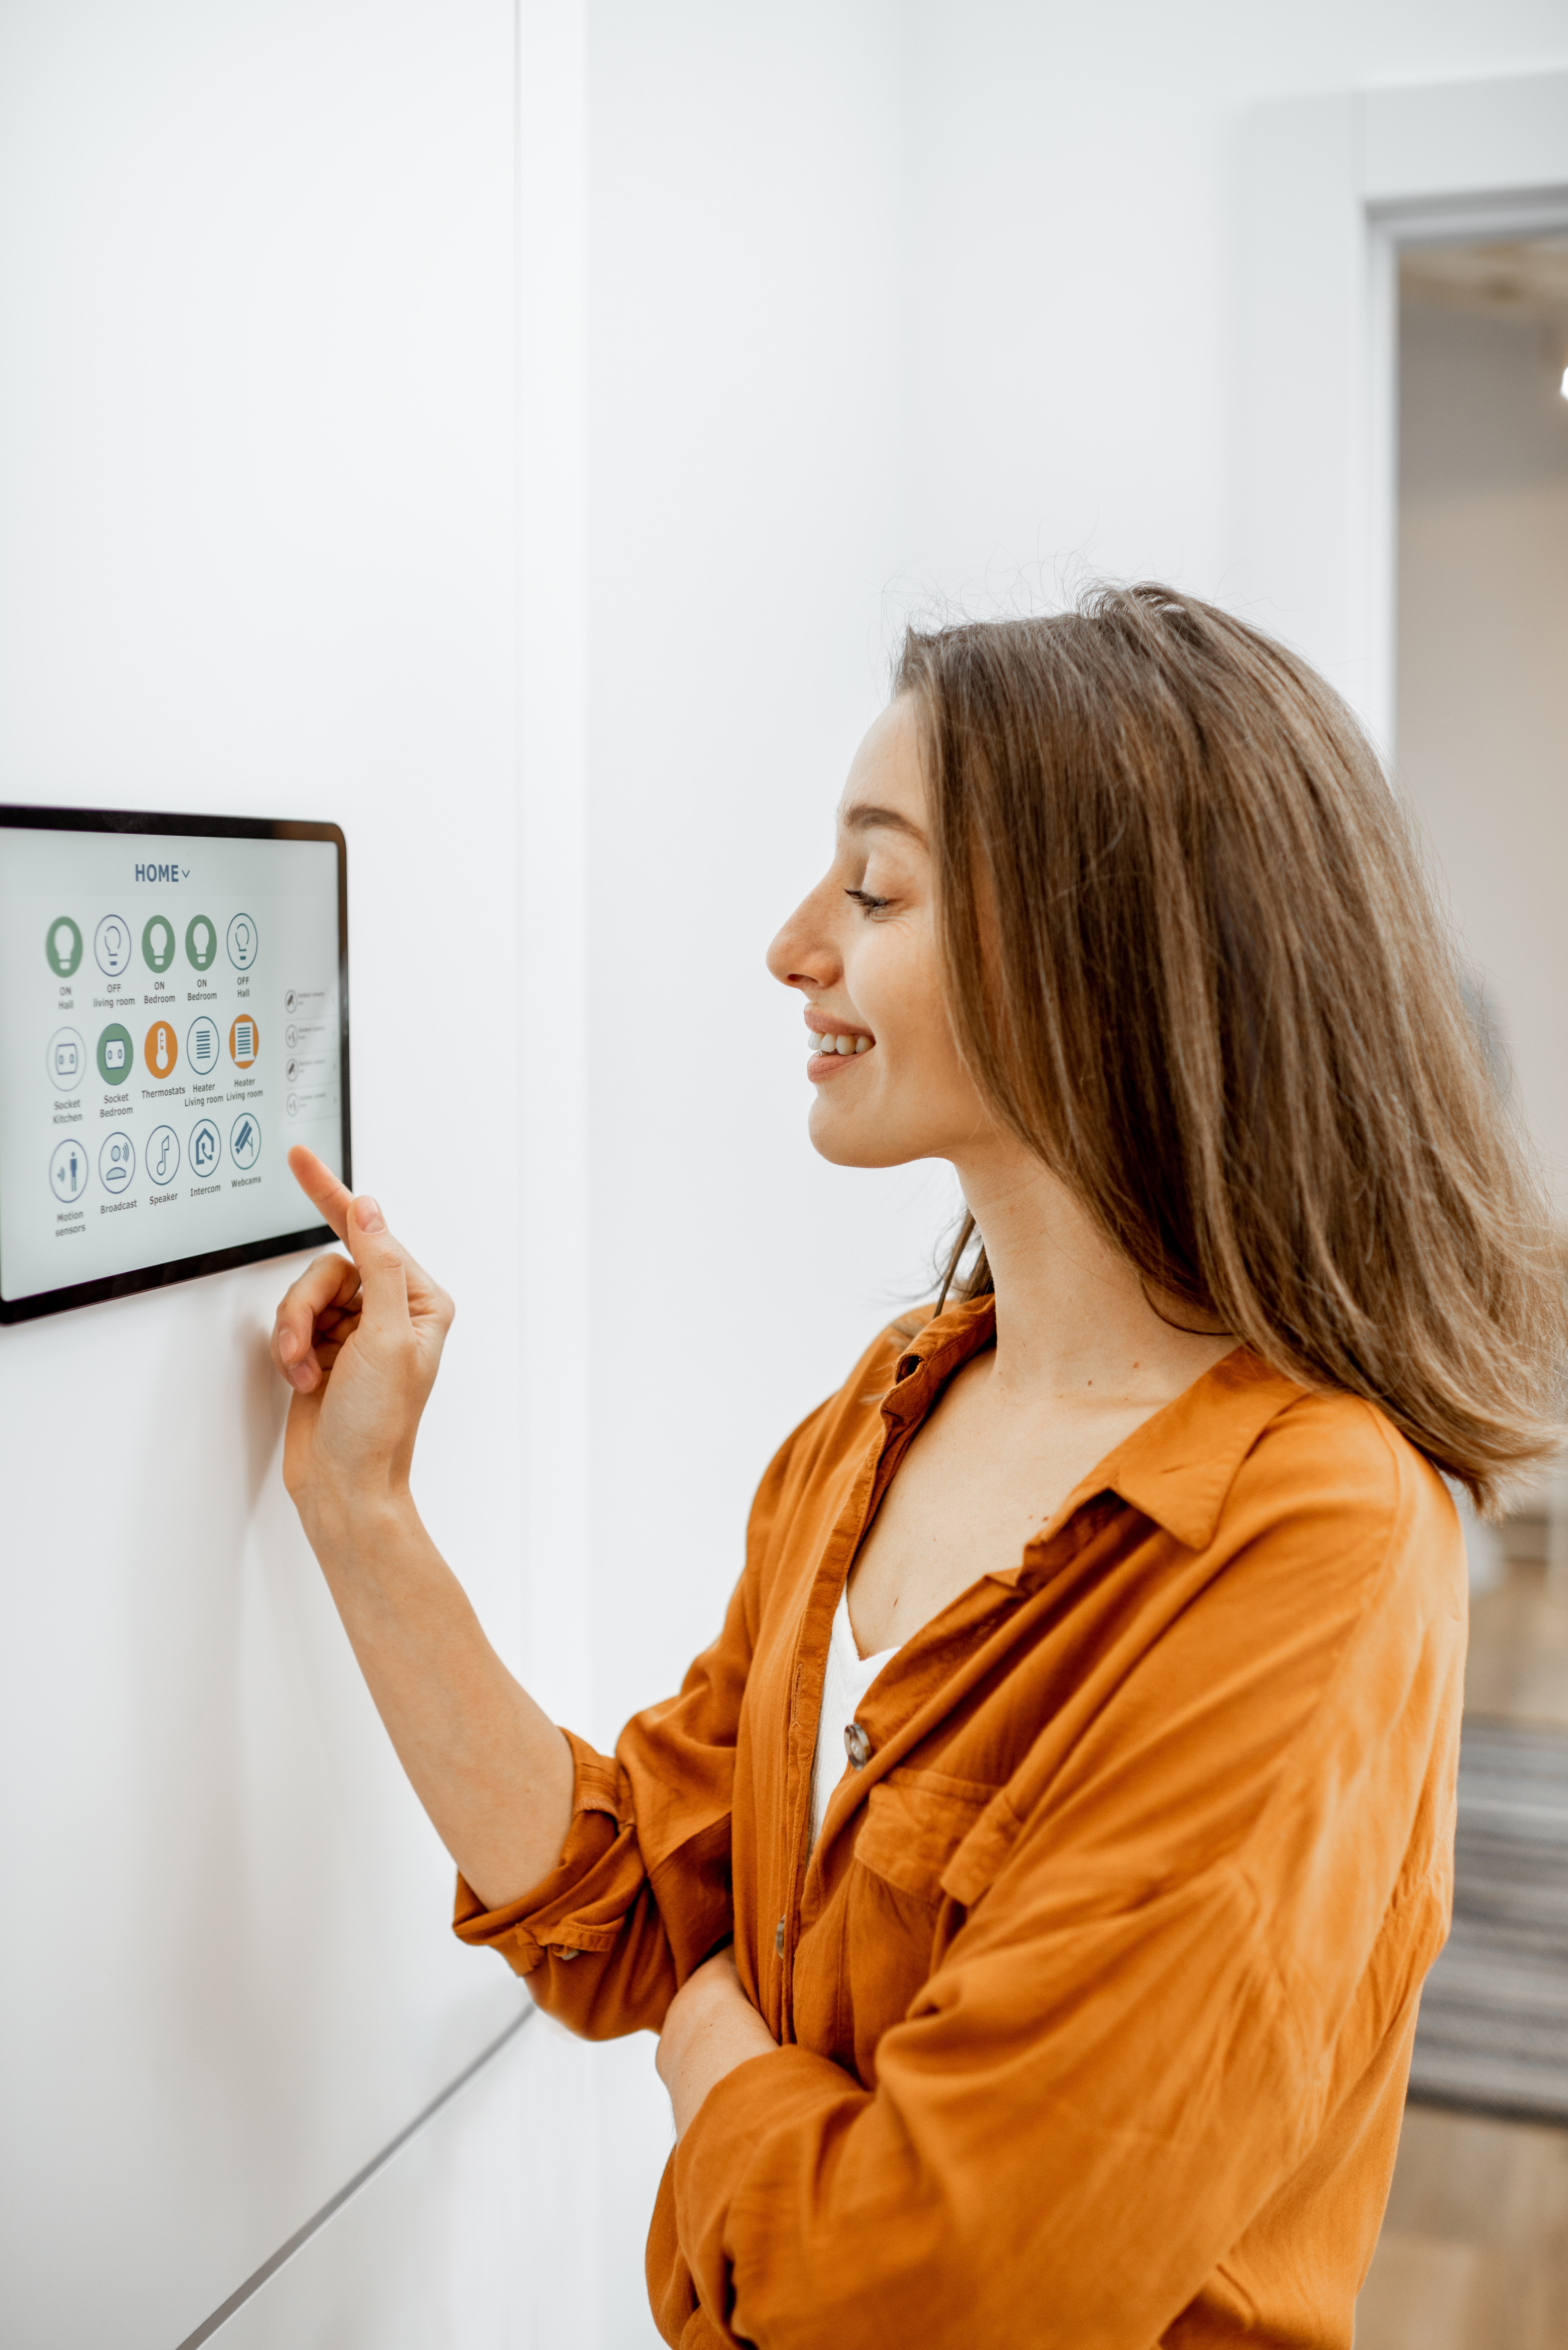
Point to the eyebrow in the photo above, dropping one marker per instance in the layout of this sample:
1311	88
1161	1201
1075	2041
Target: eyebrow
866	817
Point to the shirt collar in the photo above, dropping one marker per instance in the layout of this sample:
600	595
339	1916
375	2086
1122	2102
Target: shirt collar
1177	1468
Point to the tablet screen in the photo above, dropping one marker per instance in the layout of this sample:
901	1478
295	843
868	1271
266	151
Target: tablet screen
172	1021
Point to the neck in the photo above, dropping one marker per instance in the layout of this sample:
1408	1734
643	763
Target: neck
1073	1316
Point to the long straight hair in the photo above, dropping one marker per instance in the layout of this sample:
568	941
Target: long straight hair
1193	961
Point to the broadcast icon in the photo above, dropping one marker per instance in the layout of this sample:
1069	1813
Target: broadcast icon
244	1140
206	1147
68	1172
162	1155
67	1060
117	1162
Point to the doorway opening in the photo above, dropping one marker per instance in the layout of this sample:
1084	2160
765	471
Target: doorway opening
1475	2245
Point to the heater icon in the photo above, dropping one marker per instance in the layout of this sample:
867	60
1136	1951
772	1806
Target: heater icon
243	1042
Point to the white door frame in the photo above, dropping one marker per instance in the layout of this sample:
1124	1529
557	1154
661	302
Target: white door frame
1330	189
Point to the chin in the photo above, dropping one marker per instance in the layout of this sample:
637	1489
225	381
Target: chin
858	1142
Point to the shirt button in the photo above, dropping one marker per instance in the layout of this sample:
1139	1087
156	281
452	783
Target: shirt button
565	1955
857	1745
778	1938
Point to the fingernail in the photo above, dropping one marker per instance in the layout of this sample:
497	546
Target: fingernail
288	1346
367	1215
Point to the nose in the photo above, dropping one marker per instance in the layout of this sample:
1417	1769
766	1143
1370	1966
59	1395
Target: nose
804	953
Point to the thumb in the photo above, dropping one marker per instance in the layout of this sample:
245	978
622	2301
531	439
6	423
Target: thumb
383	1278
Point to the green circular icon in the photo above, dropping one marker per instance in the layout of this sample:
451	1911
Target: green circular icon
201	941
63	946
158	943
115	1054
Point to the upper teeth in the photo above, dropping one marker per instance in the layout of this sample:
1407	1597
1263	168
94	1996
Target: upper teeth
840	1044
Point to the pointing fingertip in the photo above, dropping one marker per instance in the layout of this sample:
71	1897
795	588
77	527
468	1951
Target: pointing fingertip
367	1215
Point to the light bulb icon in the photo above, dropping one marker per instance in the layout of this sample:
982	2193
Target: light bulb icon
203	940
162	944
243	938
64	945
243	941
111	944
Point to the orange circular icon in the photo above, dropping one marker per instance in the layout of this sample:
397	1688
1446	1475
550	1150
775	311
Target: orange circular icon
244	1042
161	1050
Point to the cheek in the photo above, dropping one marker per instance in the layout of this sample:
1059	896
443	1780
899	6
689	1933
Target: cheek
904	1010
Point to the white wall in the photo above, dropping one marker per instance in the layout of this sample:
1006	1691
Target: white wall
256	555
851	304
1483	624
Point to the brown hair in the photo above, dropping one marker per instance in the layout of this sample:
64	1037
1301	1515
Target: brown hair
1192	959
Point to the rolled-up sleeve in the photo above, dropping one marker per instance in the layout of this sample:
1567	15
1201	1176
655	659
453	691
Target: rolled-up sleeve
642	1891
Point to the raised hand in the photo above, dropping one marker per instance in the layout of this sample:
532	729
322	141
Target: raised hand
360	1344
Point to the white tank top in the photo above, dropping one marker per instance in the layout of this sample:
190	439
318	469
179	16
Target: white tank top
847	1678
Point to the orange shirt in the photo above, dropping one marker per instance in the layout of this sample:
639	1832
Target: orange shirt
1096	1997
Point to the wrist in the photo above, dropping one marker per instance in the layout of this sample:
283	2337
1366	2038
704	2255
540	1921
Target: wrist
348	1524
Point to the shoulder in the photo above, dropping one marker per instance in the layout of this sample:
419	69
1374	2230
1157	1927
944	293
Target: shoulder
1338	1558
1332	1474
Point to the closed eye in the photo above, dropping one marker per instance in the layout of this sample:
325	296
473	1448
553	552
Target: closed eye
866	902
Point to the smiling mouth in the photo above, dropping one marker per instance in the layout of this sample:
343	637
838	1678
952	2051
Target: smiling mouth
826	1053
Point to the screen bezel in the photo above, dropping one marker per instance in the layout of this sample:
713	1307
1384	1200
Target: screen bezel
19	818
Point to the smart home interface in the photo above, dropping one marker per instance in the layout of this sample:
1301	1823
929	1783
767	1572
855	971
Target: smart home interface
170	1024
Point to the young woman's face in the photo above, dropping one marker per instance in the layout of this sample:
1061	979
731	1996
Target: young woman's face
862	950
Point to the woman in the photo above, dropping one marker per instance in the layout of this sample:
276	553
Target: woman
1052	1978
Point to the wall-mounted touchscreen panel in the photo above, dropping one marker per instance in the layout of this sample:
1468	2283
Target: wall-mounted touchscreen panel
173	1017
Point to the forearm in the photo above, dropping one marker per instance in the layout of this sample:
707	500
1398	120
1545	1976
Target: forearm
490	1769
710	2028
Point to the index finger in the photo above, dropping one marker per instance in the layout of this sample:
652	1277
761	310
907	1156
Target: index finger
321	1188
